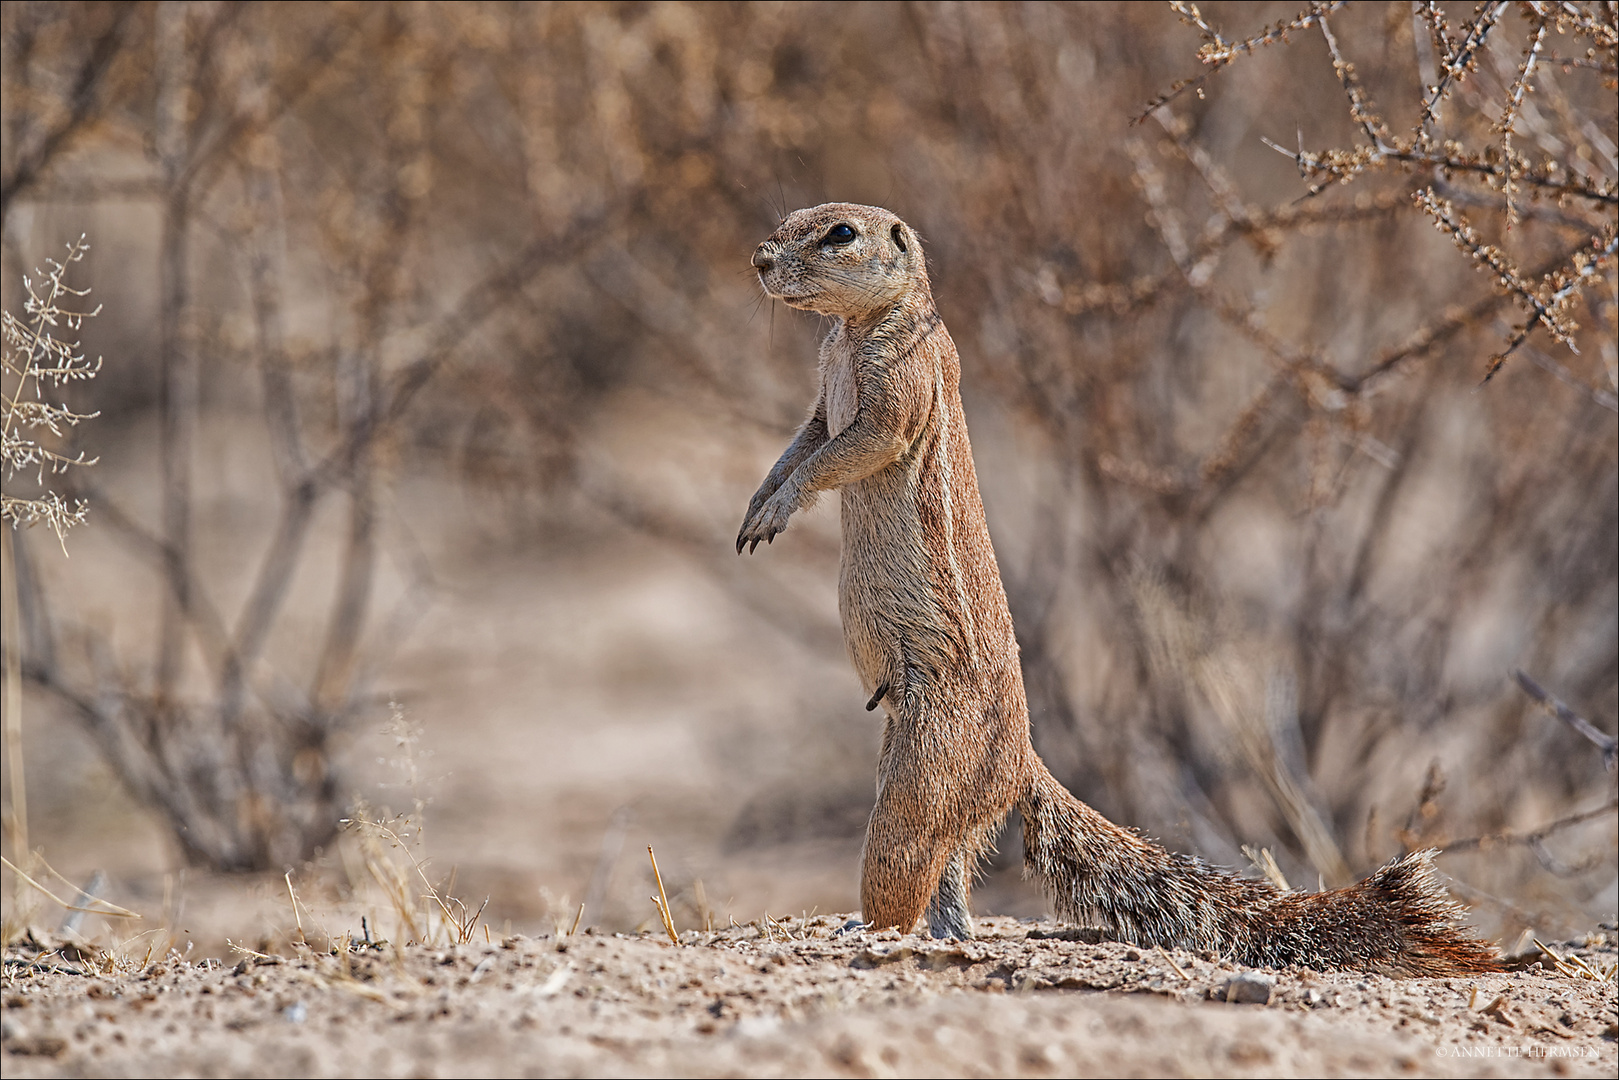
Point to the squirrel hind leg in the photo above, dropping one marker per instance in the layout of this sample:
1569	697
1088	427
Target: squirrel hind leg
948	913
908	853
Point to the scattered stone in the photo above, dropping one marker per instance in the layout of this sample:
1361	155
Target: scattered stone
1249	988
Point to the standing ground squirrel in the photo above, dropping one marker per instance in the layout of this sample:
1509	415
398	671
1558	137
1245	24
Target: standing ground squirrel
930	634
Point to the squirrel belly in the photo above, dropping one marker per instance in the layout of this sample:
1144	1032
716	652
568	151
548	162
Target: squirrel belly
930	634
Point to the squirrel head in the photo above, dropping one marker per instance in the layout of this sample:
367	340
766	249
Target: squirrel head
843	260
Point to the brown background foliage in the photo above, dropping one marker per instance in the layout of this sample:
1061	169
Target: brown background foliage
436	372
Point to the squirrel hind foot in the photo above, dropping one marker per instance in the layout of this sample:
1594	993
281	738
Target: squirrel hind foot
948	914
950	925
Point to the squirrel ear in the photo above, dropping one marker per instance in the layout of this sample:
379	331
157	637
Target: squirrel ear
898	233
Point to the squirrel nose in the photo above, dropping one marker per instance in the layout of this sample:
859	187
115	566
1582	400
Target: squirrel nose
762	261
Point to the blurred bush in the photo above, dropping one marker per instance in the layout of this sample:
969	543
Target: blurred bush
1272	548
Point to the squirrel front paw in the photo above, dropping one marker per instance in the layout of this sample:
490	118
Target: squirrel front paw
768	519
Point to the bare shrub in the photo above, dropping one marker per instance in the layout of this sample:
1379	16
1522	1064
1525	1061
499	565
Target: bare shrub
236	758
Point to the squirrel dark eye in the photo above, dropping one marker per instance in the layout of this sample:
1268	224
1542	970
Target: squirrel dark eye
839	234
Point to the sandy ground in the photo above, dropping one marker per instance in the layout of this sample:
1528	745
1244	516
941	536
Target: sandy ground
788	998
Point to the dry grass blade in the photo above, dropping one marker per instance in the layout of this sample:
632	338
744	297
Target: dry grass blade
109	909
662	900
463	923
74	885
394	886
1563	966
1170	960
292	897
1579	962
243	950
1265	862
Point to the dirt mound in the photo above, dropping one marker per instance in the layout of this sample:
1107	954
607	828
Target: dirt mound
793	998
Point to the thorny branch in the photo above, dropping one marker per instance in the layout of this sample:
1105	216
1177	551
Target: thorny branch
1547	304
1535	840
1458	61
1603	741
1503	168
1218	52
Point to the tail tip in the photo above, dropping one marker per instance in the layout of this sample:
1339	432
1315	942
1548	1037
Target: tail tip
1434	936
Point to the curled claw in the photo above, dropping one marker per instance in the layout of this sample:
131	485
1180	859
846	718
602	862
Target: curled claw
749	536
763	523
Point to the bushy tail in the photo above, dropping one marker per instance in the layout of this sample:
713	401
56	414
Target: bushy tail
1399	921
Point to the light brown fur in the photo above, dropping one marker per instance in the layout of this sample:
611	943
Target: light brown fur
930	635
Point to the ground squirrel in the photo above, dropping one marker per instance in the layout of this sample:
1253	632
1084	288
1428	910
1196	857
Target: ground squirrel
930	634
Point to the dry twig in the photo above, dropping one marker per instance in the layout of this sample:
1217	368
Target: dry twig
1603	741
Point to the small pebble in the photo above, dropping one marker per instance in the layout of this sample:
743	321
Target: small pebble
1249	988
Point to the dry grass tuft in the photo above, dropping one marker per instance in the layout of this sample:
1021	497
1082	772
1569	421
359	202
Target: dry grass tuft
34	356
